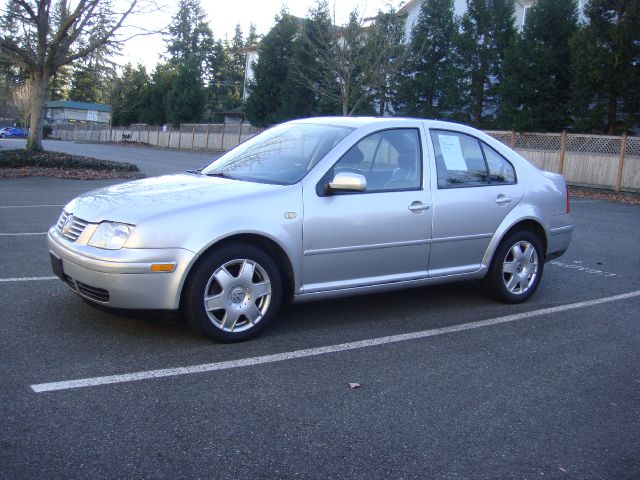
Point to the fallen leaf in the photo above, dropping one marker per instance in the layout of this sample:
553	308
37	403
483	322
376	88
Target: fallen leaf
354	385
563	470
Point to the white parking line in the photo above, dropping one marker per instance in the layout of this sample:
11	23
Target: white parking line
311	352
21	234
29	206
27	279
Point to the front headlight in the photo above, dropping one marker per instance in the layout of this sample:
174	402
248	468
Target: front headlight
110	236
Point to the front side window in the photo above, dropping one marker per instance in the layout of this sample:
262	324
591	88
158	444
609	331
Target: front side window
389	160
465	161
281	155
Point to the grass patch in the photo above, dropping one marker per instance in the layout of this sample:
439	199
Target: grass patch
22	163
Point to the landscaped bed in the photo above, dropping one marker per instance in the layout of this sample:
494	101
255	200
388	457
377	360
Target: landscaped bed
22	163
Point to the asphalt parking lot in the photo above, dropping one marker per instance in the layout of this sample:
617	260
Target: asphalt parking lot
452	384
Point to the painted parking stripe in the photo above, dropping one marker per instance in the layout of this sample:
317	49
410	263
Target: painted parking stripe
22	234
30	206
312	352
26	279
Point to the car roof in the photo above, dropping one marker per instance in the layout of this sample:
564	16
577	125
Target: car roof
357	122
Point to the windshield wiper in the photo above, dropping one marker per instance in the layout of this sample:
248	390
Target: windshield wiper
197	172
220	175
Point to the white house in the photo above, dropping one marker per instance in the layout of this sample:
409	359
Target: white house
412	11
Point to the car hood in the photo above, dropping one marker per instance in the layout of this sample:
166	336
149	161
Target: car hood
133	202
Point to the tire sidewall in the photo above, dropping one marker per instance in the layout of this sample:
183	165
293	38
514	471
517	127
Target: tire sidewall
494	280
194	290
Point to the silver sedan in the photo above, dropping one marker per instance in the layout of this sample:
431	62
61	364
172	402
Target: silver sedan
311	209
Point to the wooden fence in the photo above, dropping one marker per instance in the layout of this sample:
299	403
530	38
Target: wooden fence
210	136
601	161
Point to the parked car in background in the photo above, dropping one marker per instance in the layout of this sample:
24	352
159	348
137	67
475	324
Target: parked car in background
13	132
312	209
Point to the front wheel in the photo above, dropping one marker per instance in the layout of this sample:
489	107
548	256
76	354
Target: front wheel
516	268
233	293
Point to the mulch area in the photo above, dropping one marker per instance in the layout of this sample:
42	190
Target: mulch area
608	195
20	163
74	174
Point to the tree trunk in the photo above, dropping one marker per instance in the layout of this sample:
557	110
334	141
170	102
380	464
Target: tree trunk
39	86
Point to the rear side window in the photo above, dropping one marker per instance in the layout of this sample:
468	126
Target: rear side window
500	170
465	161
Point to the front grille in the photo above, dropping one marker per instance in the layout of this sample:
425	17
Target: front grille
70	227
94	293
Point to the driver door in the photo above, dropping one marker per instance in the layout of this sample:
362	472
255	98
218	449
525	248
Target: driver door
379	235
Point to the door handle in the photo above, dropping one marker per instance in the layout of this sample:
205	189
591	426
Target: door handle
502	199
418	207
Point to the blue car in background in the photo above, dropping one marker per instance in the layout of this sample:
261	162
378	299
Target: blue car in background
13	132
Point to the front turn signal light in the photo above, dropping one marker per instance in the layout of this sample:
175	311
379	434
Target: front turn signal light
163	267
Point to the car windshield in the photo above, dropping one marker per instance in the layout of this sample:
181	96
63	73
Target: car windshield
281	155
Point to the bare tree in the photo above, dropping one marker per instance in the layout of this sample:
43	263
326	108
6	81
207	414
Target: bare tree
40	36
352	65
21	99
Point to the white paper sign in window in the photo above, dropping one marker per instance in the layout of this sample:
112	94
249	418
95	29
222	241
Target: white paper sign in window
452	152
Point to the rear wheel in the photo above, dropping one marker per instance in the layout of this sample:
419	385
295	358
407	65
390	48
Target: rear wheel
233	293
516	268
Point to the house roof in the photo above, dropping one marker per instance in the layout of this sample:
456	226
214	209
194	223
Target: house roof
78	105
407	6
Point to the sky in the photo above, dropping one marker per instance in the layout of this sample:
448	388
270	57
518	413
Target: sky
223	15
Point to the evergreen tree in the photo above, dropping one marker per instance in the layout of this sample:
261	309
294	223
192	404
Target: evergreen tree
536	88
487	31
217	86
272	74
233	71
185	99
60	84
152	109
431	78
318	90
252	36
606	80
189	38
127	97
385	47
85	84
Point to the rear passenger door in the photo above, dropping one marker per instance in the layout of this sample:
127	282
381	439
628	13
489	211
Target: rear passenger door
476	188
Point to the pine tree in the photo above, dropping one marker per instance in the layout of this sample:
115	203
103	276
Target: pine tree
536	88
385	47
152	108
185	99
431	78
232	69
486	32
606	80
189	36
60	84
127	97
318	90
273	73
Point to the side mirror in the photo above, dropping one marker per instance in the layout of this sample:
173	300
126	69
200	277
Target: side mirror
347	182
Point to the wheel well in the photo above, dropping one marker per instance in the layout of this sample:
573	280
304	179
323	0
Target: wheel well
267	245
530	226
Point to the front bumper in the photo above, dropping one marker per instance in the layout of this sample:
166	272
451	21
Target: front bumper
120	278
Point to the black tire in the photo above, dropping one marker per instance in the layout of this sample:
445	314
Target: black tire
234	277
513	278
